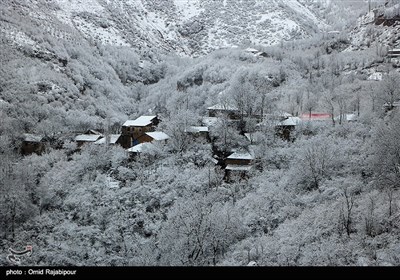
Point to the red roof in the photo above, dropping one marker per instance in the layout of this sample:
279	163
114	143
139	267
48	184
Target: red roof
316	116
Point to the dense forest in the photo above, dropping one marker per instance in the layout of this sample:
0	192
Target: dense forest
329	196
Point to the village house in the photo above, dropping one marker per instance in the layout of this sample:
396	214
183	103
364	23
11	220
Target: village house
111	139
347	118
390	106
32	144
256	52
198	131
133	129
238	163
138	149
285	127
86	138
232	112
156	136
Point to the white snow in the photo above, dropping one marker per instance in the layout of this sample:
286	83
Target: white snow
251	50
141	121
158	135
223	107
241	155
197	129
32	138
113	139
107	36
188	8
112	183
68	7
377	76
234	167
87	138
290	121
210	121
299	8
140	148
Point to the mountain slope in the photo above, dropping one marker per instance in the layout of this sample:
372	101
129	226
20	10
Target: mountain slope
186	27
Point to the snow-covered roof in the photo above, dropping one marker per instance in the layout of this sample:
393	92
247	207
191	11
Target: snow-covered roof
251	50
158	135
140	147
197	129
249	136
113	139
241	155
213	160
141	121
234	167
259	54
351	117
291	121
87	138
92	131
277	115
32	138
395	104
223	107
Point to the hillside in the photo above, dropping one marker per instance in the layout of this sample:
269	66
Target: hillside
289	158
180	26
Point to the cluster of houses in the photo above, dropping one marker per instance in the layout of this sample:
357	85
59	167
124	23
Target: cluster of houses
135	135
140	134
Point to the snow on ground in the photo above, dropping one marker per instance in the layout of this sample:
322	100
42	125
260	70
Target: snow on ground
299	8
187	8
107	36
265	17
17	37
68	7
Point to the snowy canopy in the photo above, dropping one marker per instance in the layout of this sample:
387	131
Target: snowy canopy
141	121
158	135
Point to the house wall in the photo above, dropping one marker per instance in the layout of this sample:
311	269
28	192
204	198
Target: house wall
130	133
28	148
144	139
238	161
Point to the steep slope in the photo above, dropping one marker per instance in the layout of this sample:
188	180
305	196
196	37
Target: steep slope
186	27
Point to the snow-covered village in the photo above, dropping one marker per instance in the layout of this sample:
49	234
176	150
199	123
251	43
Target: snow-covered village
199	133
